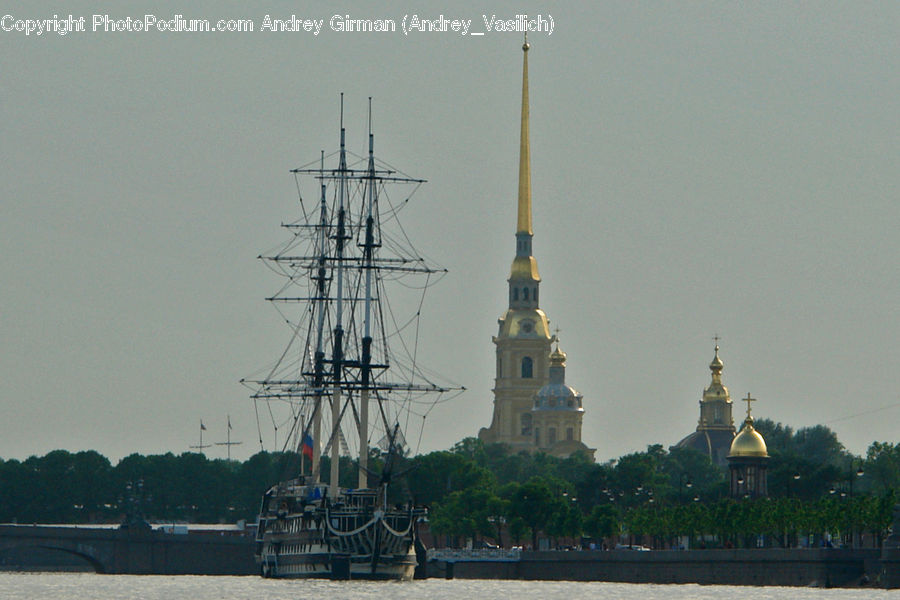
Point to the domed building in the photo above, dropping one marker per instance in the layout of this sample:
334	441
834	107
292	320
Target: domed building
557	413
715	429
747	461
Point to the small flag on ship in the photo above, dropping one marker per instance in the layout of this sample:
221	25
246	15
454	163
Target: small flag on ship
307	446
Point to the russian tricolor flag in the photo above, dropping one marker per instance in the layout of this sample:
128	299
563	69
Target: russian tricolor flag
307	446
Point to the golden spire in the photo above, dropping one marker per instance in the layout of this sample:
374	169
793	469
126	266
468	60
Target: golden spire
524	225
524	265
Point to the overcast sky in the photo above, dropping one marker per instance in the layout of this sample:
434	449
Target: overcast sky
699	168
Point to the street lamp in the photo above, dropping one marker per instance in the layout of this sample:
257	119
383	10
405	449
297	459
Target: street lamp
849	477
681	482
741	491
859	473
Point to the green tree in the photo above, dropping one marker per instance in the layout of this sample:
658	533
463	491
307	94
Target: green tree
687	466
534	502
90	484
440	473
602	522
468	513
640	475
882	466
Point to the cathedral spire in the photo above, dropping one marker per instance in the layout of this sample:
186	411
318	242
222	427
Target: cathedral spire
524	277
525	360
524	223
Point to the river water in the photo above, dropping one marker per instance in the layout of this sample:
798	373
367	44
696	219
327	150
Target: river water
90	586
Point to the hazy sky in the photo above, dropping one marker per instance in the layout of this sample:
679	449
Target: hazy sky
698	168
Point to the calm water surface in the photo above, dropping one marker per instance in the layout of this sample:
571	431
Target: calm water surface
89	586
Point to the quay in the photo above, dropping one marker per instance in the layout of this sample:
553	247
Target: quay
224	550
757	567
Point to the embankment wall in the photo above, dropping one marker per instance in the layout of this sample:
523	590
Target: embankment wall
793	567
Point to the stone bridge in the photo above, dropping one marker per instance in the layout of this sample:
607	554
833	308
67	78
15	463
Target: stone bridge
139	552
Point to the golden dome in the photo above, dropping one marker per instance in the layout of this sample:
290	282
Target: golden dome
524	267
748	442
716	390
525	323
557	357
716	365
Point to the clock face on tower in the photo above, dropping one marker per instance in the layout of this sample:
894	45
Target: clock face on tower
526	326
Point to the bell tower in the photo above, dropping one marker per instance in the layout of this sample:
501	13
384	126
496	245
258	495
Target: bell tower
523	338
715	428
715	407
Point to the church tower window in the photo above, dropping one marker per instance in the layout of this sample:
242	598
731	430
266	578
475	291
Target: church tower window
551	436
526	423
525	293
570	434
527	368
515	293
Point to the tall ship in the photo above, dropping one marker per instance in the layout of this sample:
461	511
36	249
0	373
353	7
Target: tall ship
348	376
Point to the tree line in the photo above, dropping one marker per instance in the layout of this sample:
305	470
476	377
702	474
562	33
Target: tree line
484	492
817	491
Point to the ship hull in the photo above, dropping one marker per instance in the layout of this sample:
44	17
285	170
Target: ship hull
349	539
338	566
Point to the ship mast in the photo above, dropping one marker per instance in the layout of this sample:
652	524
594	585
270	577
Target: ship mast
319	359
341	339
366	373
337	357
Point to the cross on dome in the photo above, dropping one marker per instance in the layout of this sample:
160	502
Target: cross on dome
748	400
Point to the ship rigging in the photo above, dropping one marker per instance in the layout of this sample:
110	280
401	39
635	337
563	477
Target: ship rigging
350	357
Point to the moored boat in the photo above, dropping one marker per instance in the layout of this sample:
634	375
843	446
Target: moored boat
348	364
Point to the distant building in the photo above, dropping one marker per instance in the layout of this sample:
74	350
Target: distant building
534	409
748	460
557	413
715	429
